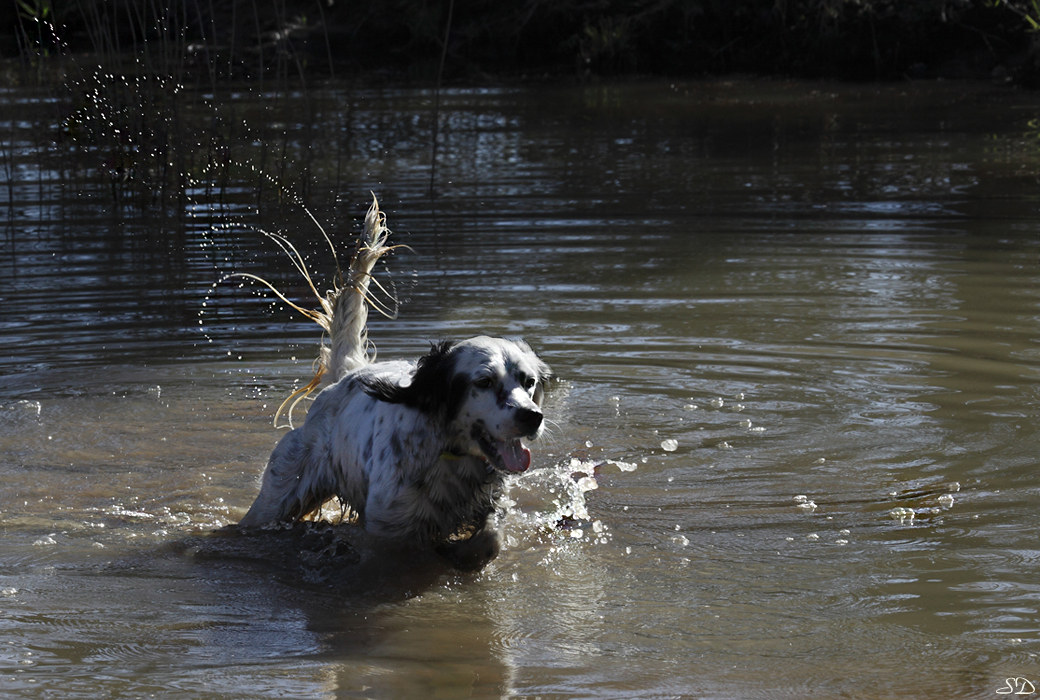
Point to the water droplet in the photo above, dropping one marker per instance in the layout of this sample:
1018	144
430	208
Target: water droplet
587	483
903	515
669	445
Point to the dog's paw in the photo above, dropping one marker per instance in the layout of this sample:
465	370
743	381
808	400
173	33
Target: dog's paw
471	554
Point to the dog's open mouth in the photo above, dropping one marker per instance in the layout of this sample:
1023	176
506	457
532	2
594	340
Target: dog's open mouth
507	455
514	456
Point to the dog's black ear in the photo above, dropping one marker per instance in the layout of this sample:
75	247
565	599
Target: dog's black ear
434	386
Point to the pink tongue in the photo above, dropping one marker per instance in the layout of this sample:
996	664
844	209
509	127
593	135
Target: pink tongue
515	456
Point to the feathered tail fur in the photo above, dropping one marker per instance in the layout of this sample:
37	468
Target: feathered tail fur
345	309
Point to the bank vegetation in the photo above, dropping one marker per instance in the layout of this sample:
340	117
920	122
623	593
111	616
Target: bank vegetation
475	39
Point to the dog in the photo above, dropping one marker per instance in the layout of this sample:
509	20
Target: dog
418	451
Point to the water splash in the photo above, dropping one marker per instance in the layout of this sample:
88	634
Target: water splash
554	501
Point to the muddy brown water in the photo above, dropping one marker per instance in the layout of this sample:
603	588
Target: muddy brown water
793	452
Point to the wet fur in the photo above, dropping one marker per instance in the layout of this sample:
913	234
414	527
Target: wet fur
418	451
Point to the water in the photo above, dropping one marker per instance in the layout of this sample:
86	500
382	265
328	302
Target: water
793	451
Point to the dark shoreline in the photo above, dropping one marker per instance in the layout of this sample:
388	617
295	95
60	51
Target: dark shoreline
231	41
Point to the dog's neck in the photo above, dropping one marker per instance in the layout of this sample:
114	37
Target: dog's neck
449	455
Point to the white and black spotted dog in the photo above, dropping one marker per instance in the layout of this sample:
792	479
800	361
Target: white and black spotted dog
419	450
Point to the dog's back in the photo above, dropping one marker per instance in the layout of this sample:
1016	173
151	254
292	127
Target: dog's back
331	454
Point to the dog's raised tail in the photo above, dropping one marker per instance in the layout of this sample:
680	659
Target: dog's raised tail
346	306
344	309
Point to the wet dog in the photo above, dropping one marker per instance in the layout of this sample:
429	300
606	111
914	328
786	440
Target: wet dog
418	451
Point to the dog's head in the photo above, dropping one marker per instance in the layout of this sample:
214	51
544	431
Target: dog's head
488	392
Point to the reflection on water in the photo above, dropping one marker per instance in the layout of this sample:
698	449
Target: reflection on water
793	454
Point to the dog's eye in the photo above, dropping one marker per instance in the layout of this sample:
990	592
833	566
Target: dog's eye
529	383
483	383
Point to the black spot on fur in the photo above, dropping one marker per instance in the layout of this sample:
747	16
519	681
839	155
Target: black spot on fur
395	444
434	388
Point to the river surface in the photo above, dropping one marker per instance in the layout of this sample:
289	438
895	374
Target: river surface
792	452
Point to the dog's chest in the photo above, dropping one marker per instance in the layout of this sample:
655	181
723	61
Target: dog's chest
453	493
455	480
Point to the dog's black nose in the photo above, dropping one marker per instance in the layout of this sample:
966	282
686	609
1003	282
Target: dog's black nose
528	419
